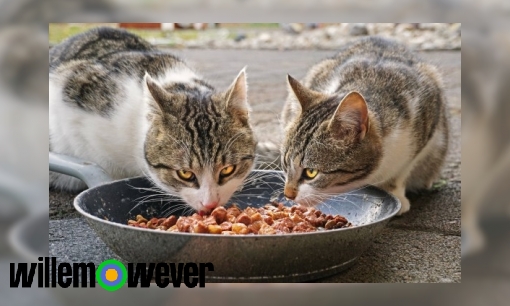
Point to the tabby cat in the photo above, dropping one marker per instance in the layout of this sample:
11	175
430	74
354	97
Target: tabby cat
134	110
373	114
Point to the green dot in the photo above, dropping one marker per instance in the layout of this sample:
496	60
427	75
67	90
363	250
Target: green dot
100	271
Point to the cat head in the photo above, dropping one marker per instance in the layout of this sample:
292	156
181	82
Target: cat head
330	144
200	144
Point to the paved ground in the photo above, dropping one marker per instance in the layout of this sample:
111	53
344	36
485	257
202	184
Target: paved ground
422	246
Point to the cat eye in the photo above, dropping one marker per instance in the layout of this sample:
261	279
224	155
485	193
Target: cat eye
186	175
227	170
310	173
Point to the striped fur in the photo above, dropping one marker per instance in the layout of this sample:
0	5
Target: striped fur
117	101
374	113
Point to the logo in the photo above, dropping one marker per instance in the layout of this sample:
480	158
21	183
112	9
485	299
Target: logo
111	275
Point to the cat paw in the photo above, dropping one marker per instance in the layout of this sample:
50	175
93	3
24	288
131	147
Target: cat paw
400	194
406	206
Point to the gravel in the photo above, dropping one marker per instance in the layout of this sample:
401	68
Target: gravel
419	36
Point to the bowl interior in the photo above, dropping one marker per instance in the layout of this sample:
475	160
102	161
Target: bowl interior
122	200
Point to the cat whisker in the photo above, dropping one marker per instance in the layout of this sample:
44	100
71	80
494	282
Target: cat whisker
251	194
237	200
189	210
146	197
172	209
141	203
256	178
267	165
320	199
155	199
147	189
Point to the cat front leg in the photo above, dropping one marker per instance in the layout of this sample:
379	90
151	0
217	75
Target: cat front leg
400	194
398	189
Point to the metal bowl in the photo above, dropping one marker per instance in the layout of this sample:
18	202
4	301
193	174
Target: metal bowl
245	258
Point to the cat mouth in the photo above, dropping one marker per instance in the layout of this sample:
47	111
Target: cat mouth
308	201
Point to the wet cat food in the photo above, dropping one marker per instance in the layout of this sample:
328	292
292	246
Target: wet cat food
271	219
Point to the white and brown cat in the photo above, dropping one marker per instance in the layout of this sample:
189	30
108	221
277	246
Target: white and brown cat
375	113
135	110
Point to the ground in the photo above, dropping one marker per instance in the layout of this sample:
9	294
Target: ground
424	245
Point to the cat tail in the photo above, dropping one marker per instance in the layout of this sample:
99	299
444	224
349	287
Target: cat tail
268	156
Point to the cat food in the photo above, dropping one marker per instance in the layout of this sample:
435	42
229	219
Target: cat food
273	218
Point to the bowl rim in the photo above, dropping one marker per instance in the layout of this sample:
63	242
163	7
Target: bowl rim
87	215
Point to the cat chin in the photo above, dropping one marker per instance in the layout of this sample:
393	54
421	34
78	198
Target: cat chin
346	188
310	196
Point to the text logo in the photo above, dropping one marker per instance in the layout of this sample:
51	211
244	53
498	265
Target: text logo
111	274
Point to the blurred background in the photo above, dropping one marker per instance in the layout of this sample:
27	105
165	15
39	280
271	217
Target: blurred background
24	36
275	36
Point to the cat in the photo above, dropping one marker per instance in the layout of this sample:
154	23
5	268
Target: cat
117	101
374	114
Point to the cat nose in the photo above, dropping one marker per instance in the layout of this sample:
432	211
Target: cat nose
211	205
290	193
290	196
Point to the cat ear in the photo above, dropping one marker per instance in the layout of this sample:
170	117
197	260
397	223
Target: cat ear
158	94
237	97
351	117
305	96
